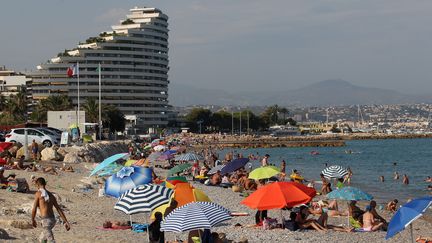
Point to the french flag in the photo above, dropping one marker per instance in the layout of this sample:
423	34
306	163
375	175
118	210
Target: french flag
72	71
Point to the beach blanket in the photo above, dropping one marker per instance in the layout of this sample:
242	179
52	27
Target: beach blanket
139	228
237	214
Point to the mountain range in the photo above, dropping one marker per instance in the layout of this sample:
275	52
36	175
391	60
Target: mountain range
327	92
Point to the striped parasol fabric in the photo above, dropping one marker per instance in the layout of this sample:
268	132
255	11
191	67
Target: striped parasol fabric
143	199
188	157
195	215
334	171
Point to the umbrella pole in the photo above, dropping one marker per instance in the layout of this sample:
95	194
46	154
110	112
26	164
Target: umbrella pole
282	219
348	215
412	235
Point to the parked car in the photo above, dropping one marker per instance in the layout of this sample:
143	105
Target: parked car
55	130
17	135
49	132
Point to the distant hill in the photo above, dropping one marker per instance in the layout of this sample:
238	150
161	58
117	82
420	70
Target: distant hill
328	92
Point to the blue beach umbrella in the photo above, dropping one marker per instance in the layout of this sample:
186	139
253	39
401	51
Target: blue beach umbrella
406	215
169	152
234	165
109	161
126	179
349	193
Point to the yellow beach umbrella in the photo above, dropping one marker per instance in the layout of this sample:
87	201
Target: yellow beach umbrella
264	172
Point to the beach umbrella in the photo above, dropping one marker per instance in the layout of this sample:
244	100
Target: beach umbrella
234	165
194	216
187	157
334	171
164	157
170	152
215	169
185	193
179	168
279	195
159	148
109	161
349	193
407	214
126	179
5	146
143	198
264	172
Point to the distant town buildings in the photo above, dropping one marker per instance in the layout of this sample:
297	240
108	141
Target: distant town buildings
11	82
134	69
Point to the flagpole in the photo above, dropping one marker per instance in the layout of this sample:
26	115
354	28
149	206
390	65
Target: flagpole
100	103
78	82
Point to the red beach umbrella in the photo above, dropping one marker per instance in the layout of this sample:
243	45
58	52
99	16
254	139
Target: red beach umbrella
278	195
5	145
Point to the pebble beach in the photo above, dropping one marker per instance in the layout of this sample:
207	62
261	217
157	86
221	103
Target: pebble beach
78	196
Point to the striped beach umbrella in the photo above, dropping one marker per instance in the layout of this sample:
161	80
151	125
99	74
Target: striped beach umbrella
187	157
334	171
126	179
143	199
195	215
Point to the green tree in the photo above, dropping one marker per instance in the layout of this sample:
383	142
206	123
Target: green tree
199	115
52	103
113	119
270	116
91	108
221	121
285	112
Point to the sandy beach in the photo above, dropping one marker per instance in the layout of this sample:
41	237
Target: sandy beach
85	211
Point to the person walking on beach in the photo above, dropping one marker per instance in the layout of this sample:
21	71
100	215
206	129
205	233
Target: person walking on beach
45	201
405	179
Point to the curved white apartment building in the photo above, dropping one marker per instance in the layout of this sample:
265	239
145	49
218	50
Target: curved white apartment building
134	68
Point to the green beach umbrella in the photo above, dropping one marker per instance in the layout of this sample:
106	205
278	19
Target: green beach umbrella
264	172
177	178
179	168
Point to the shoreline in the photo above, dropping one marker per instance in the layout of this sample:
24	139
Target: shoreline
325	140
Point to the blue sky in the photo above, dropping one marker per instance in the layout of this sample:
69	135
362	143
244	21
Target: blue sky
247	44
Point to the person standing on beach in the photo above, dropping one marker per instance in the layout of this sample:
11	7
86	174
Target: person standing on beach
405	179
264	161
45	201
34	149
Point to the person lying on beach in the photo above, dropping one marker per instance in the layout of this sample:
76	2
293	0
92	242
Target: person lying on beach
392	206
19	165
114	224
324	207
369	223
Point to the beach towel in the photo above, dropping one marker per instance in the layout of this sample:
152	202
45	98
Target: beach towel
354	223
114	228
139	228
44	194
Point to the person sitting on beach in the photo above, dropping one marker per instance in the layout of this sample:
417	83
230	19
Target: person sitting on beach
155	234
19	165
304	223
291	224
369	223
392	206
4	179
203	171
216	179
326	186
377	217
355	211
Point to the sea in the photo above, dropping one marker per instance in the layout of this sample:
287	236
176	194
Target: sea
368	159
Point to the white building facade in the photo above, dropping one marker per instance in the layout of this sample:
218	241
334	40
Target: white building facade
134	69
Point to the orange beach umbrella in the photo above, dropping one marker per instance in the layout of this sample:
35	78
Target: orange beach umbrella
279	195
185	193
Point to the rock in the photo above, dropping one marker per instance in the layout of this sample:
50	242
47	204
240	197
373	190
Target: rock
49	154
4	235
72	158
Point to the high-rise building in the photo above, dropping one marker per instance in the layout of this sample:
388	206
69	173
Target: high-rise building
134	69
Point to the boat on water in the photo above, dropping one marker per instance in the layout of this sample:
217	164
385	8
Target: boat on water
284	130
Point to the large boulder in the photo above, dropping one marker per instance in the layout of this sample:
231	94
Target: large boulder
72	157
50	154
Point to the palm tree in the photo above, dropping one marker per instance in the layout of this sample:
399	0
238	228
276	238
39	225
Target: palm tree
284	111
91	109
52	103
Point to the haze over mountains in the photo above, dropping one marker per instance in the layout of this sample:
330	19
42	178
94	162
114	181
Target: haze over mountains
328	92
